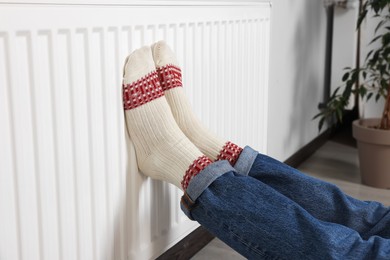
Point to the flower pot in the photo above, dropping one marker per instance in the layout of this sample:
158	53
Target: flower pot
374	152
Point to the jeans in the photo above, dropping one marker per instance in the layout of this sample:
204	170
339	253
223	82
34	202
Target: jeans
266	210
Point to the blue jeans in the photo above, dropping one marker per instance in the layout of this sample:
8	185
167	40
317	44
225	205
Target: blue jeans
266	210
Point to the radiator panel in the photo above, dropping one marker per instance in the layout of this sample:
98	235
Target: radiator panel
69	186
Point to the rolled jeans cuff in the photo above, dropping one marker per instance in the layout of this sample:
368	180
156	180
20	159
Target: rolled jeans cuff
200	182
246	160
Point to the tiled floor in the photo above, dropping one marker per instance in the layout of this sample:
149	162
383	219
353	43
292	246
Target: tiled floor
335	162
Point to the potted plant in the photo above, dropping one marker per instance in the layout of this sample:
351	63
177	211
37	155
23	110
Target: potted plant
369	81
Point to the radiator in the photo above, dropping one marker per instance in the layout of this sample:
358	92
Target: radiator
69	184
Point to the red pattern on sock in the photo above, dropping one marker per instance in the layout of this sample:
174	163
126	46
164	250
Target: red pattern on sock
170	76
197	166
230	152
141	91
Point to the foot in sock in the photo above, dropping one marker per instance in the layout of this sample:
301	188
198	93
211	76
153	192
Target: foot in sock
171	82
163	151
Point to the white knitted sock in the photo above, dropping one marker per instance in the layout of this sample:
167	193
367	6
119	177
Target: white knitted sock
163	151
170	79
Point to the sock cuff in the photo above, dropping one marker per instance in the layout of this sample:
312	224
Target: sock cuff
170	76
197	166
230	152
141	91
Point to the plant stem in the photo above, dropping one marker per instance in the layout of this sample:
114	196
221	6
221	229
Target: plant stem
385	122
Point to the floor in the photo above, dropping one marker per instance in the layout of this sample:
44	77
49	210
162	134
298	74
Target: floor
335	162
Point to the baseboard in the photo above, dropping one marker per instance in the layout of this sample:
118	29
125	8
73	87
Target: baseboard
188	246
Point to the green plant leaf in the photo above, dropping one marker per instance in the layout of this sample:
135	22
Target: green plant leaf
375	39
345	77
369	54
362	91
339	112
355	75
318	115
383	83
382	69
321	123
375	5
347	93
385	53
382	22
386	39
335	93
377	97
374	58
369	96
364	74
361	18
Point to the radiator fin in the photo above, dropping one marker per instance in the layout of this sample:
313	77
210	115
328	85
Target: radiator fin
69	184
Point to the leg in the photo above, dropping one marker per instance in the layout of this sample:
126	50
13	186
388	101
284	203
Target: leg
323	200
209	144
261	223
366	218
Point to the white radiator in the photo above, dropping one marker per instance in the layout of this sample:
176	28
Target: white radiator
69	184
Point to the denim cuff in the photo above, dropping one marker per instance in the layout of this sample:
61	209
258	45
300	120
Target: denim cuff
246	160
200	182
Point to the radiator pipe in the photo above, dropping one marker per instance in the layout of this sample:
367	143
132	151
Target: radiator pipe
328	53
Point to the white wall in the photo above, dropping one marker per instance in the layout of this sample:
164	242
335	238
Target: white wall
344	44
297	58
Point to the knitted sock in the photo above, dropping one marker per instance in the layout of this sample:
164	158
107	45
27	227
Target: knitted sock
170	78
163	151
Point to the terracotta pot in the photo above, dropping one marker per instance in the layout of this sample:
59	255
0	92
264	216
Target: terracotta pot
374	152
